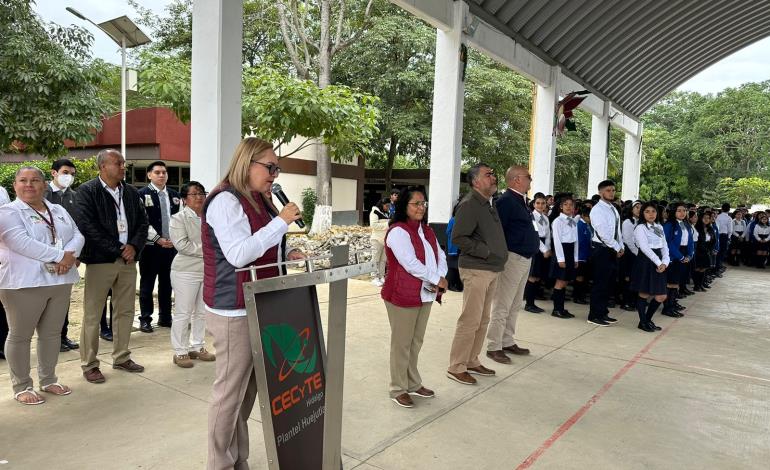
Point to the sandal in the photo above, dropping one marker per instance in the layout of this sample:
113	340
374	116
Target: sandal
38	399
62	390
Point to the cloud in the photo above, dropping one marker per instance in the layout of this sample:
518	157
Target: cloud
750	64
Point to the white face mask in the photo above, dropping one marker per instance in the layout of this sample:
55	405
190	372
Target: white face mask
65	180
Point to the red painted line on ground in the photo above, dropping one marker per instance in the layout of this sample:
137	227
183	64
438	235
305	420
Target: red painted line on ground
534	456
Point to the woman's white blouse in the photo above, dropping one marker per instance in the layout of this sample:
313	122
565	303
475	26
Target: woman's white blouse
650	237
430	272
564	231
739	228
628	235
761	230
543	227
25	246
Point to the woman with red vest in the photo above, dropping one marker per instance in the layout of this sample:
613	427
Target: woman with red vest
239	227
414	279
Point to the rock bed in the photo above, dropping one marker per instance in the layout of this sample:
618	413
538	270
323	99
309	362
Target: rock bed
318	245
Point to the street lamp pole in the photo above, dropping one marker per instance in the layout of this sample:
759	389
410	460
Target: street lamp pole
125	34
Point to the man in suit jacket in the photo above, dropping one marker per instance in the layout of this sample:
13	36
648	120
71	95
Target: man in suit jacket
522	241
60	192
160	202
111	218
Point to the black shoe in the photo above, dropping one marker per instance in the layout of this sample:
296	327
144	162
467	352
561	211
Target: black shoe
654	326
646	327
610	304
598	322
580	301
559	314
628	308
164	324
145	328
2	355
533	308
679	308
609	319
567	314
70	344
700	289
687	291
63	347
106	335
718	274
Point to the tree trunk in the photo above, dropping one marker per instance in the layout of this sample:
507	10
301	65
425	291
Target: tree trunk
322	218
392	152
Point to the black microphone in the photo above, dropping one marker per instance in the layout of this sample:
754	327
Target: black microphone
278	191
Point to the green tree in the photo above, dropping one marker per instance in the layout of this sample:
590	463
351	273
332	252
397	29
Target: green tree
46	94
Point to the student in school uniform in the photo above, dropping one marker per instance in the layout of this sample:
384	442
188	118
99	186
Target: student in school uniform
630	216
606	249
583	273
565	262
692	220
761	234
737	237
703	248
649	278
541	259
725	226
680	249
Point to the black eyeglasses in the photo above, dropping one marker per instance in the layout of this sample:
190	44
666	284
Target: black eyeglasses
272	168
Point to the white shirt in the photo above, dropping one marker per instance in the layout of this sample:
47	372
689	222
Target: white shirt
694	234
564	233
739	228
650	237
685	234
543	227
55	188
240	247
761	230
117	195
151	233
26	245
4	198
725	224
628	235
399	241
606	223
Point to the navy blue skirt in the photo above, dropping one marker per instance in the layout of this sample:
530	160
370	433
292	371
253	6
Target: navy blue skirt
645	277
540	265
566	273
676	270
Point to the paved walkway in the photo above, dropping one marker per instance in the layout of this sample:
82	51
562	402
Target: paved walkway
693	396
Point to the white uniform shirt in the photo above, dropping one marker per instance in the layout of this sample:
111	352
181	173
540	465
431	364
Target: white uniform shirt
763	230
628	235
430	272
564	230
685	234
240	247
151	233
725	224
26	245
694	234
606	223
650	237
4	198
543	227
739	228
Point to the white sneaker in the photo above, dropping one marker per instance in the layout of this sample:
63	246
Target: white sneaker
377	282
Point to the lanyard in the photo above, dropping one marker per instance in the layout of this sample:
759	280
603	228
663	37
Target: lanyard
49	221
116	203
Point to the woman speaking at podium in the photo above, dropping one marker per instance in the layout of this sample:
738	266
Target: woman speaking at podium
240	227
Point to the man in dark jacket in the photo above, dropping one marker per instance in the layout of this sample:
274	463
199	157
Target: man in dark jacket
111	218
160	203
479	236
60	192
522	242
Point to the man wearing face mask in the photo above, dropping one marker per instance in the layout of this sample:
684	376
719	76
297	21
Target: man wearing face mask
59	191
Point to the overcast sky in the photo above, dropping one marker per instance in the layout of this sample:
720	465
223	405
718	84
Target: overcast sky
751	64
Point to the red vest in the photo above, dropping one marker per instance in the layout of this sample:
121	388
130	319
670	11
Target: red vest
401	288
222	286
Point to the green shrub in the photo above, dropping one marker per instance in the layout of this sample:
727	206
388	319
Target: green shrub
309	200
86	170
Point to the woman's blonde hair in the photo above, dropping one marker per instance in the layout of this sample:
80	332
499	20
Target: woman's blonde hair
250	149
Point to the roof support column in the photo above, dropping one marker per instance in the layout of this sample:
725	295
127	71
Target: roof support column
447	127
632	164
597	163
542	152
216	88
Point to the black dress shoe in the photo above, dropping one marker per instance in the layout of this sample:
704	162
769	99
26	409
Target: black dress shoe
654	326
580	301
70	344
145	328
567	314
64	348
646	327
533	308
609	319
2	355
106	335
559	314
628	308
164	324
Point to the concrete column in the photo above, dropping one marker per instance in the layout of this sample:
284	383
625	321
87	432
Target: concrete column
447	127
542	157
597	163
216	88
632	163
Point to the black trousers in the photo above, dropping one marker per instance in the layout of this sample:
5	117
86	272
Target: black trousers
724	242
604	263
3	327
155	264
65	326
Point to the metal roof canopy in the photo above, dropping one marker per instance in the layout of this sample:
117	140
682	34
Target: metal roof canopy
121	27
629	53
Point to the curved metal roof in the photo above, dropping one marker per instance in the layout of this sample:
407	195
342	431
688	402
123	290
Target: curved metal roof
629	52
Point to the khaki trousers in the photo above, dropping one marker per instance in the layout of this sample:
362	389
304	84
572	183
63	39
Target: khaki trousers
407	330
378	257
42	308
233	393
507	302
100	278
472	325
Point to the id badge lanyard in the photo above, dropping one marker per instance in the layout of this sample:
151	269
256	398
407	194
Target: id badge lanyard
55	240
